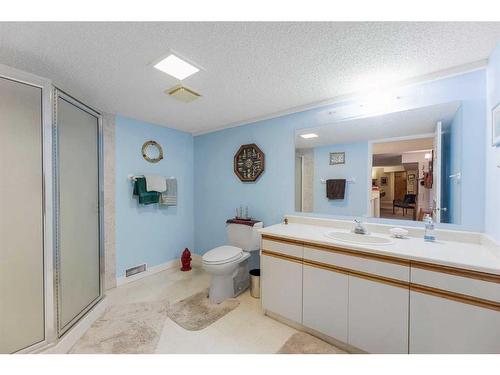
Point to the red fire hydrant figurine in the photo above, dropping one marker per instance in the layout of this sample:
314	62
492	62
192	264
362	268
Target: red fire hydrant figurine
186	260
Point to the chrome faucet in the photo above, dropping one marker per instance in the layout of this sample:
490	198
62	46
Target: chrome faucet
359	227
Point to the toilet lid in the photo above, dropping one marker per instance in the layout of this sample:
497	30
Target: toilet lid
222	254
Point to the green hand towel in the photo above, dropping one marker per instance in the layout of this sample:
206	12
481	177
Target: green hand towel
145	197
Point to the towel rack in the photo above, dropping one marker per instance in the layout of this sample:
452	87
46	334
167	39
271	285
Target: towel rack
133	178
351	180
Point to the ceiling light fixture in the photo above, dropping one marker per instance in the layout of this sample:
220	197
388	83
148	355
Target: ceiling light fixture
176	67
182	93
309	135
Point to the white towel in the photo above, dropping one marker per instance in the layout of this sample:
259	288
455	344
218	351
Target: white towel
169	197
155	183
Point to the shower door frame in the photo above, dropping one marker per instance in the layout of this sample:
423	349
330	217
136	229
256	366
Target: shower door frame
56	94
49	95
45	85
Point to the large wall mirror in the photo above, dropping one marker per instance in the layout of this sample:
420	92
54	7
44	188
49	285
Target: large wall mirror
398	166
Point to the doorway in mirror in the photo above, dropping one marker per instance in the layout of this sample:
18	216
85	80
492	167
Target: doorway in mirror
398	168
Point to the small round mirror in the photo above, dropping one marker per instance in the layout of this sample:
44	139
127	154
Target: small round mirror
152	151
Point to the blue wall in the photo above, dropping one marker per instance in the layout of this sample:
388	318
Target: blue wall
452	164
356	166
492	188
473	160
218	191
152	234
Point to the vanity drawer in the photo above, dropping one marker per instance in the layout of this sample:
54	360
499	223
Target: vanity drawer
282	247
468	283
393	269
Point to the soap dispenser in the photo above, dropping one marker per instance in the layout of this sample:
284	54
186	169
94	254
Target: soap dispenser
429	234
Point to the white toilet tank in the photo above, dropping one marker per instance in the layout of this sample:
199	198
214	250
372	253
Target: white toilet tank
244	236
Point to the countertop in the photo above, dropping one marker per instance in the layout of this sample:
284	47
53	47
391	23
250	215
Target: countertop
472	256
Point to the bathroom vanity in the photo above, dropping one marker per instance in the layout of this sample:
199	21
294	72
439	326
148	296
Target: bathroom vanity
400	296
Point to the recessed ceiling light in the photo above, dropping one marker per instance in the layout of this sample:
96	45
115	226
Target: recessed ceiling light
309	135
176	67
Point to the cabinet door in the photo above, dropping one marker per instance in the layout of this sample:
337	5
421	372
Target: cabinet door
281	287
325	301
439	325
378	316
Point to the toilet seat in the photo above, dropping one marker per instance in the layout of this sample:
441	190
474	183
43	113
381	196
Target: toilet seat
222	255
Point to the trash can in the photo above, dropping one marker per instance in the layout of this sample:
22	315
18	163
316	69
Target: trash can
255	283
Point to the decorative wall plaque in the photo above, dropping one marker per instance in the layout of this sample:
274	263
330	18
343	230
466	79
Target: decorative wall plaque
249	163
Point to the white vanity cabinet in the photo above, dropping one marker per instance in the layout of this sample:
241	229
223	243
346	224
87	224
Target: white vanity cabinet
380	303
378	316
325	297
281	279
440	325
454	313
357	298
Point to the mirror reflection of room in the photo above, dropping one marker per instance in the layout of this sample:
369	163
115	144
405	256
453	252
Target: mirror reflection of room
402	186
400	166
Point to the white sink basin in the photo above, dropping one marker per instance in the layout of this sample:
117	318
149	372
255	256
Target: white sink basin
361	239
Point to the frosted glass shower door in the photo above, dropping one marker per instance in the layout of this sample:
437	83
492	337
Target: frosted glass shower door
78	230
21	217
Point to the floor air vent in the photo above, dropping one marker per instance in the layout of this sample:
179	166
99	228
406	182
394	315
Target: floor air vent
135	270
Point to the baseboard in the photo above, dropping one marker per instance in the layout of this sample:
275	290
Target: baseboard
197	260
69	339
172	265
299	327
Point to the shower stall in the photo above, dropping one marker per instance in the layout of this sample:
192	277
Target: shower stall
51	217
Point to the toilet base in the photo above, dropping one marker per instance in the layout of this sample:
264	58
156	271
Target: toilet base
223	287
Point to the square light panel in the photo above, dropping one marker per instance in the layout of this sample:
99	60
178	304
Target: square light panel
309	135
176	67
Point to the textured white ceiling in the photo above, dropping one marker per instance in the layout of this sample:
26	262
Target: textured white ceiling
400	147
252	70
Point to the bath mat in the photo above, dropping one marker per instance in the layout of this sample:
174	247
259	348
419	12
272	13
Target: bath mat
195	313
303	343
133	328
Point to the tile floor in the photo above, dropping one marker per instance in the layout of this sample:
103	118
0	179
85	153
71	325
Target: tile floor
386	213
244	330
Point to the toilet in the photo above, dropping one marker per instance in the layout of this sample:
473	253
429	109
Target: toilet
228	264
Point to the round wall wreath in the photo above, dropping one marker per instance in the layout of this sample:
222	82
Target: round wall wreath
152	151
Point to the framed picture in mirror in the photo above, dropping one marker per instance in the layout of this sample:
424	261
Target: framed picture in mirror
337	158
